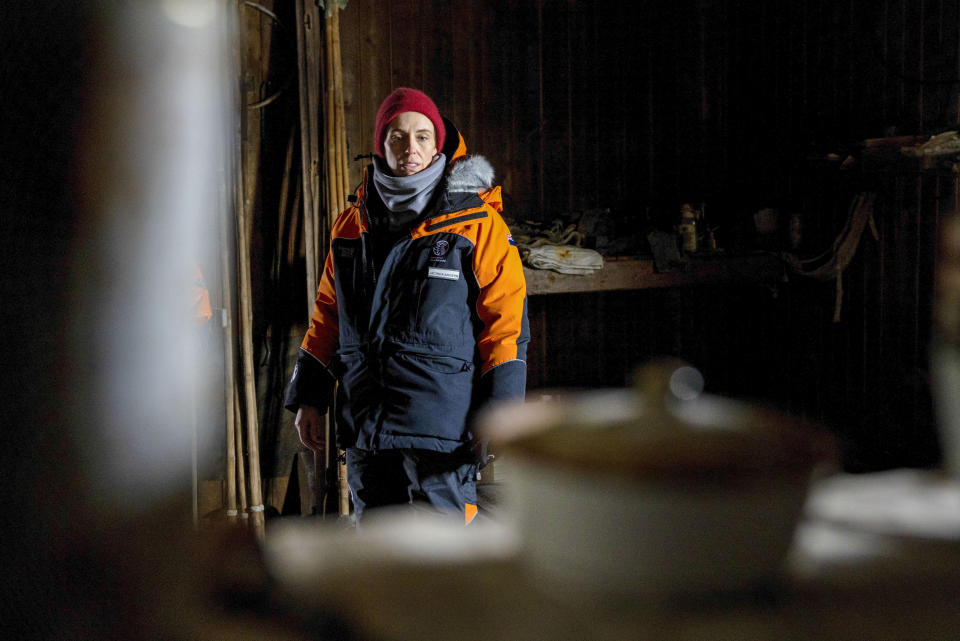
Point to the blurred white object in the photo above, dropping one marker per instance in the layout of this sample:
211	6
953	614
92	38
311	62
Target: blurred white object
565	259
602	535
946	143
626	494
945	370
894	528
902	503
945	344
152	148
303	551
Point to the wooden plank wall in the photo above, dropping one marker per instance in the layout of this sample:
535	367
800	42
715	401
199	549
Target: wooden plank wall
642	106
583	104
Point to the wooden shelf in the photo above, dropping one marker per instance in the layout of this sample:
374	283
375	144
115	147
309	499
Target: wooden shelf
638	273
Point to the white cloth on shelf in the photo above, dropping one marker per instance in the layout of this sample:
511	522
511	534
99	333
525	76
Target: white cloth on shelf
565	259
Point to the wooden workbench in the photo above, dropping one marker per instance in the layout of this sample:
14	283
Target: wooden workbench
638	273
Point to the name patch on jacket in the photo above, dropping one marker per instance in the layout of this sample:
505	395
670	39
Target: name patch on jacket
446	274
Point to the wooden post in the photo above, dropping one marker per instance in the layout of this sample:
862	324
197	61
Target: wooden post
330	132
227	192
231	456
238	432
343	487
339	185
245	312
314	34
249	371
229	370
307	126
227	241
341	121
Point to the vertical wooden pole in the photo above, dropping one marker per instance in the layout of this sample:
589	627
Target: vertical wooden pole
341	121
231	455
243	227
228	241
238	435
344	489
337	186
329	122
313	50
231	57
229	368
309	47
249	371
330	211
306	156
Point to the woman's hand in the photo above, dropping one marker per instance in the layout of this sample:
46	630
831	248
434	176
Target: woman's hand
310	426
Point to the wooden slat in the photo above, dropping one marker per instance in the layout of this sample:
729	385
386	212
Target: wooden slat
307	154
487	115
339	111
436	38
911	64
375	81
405	44
500	139
583	157
466	94
350	54
521	82
556	111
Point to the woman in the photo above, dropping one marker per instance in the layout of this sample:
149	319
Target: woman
420	315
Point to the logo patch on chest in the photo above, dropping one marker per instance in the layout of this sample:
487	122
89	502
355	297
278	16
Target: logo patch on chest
445	274
440	248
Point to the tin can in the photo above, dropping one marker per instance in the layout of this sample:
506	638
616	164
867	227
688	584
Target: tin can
688	228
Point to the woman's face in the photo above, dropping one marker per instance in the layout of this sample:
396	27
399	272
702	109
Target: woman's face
411	143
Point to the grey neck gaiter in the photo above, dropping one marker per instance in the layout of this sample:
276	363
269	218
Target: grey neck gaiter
408	195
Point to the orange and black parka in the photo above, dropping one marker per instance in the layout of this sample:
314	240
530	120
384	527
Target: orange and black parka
432	333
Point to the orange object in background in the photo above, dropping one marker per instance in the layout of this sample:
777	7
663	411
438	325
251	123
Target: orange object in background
470	511
201	297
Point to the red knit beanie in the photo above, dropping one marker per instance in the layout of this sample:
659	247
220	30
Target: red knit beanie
405	99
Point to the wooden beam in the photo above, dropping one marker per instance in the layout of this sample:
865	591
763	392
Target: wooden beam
638	273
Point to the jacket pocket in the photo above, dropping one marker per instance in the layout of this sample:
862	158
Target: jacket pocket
427	394
358	384
442	309
438	364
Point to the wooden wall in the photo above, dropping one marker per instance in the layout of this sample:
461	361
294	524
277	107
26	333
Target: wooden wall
638	107
587	104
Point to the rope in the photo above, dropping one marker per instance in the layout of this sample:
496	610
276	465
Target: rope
838	301
530	236
842	250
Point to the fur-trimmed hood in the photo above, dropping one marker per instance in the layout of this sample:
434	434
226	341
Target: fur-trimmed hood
470	174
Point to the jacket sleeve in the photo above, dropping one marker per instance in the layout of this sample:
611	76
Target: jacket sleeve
313	381
502	307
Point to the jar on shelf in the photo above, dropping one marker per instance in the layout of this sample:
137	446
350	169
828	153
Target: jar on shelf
688	228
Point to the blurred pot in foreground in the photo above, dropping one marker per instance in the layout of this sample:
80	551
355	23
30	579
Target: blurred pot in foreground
657	490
